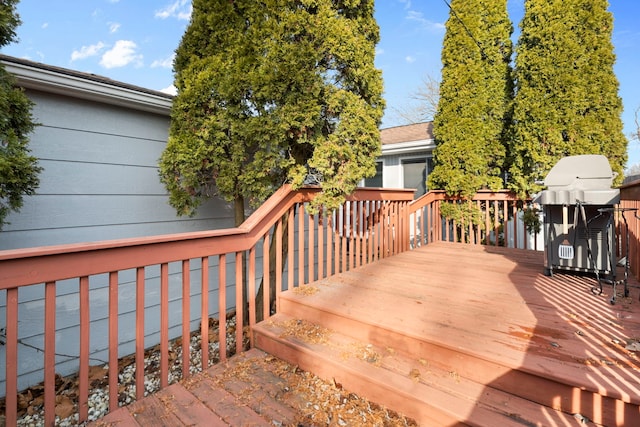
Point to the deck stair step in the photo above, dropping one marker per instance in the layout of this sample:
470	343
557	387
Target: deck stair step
429	392
485	334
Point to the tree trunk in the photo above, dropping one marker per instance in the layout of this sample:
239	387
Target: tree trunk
238	210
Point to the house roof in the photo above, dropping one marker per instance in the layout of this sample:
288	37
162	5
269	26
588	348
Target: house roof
407	133
63	81
408	139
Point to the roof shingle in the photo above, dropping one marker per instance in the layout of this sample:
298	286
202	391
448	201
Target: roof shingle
412	132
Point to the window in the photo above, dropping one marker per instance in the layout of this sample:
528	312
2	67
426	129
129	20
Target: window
375	181
414	174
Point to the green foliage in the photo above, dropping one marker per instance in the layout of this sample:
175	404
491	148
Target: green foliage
18	169
531	219
475	96
462	212
272	92
567	99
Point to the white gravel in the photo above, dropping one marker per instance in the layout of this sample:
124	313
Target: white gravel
99	397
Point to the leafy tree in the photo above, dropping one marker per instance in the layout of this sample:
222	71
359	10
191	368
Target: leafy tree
18	169
566	99
270	92
475	97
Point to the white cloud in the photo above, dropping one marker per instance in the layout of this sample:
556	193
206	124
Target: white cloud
87	51
407	3
171	90
44	26
410	59
164	63
413	15
180	9
379	51
418	17
113	27
123	53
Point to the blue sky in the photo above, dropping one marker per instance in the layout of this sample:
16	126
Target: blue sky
133	41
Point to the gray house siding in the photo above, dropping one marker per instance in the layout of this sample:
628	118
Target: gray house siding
392	173
100	178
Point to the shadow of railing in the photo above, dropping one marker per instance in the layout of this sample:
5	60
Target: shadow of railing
575	361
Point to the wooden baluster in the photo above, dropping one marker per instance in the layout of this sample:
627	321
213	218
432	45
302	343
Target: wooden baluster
252	280
505	222
345	237
370	231
239	303
11	356
266	285
381	229
186	317
164	325
311	252
321	247
330	245
222	306
353	240
291	248
113	340
50	355
301	251
140	293
487	222
278	283
496	214
83	372
514	213
204	312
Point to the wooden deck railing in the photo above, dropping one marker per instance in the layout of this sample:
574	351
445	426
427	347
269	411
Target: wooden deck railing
187	276
630	200
493	218
147	291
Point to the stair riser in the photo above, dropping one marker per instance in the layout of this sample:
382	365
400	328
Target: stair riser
330	370
544	391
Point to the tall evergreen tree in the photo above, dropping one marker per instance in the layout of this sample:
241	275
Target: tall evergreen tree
567	99
475	95
269	92
18	169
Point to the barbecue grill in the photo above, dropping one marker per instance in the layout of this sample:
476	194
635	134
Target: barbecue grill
579	222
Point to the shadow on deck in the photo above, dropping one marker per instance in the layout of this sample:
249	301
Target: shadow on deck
453	334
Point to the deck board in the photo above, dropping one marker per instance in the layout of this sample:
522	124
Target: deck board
485	302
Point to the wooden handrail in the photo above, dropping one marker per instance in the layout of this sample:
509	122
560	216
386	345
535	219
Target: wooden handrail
43	264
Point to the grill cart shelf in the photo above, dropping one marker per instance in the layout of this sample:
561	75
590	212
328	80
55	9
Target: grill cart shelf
579	208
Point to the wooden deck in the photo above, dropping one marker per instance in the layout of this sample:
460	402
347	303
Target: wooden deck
451	334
